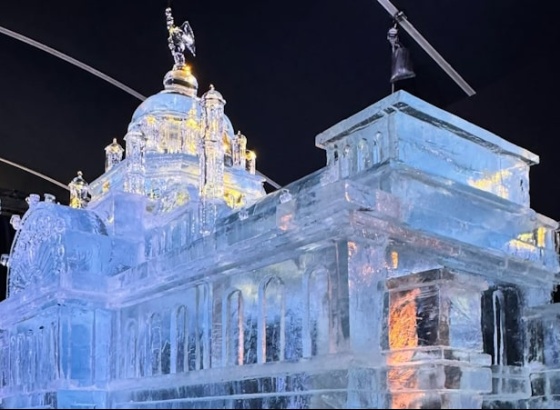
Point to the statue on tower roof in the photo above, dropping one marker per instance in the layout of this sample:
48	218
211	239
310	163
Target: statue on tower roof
180	38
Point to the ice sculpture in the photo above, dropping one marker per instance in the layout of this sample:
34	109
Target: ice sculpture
410	272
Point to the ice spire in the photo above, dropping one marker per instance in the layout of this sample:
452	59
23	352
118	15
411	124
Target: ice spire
180	78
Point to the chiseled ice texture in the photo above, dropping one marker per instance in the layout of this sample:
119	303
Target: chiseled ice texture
410	272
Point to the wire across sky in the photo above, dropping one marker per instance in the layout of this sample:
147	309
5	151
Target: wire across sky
92	71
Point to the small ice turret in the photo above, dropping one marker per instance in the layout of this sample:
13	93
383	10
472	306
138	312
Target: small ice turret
113	154
212	158
251	161
79	192
239	146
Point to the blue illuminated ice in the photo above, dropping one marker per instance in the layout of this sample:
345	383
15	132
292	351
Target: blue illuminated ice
409	272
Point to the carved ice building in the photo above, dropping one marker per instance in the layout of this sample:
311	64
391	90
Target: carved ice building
410	272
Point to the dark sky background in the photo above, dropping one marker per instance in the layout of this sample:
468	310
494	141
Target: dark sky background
288	70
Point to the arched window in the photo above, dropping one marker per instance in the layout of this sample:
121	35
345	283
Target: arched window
502	338
271	337
376	149
364	157
199	335
155	344
19	359
232	328
43	357
499	331
53	348
205	324
29	358
131	350
335	155
345	162
181	339
5	359
316	316
13	360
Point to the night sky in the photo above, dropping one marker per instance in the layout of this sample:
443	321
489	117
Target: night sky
288	70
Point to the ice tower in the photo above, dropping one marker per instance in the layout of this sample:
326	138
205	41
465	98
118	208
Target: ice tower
410	272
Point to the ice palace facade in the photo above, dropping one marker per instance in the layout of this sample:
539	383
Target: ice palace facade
409	272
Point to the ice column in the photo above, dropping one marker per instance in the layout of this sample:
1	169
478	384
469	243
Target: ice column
211	159
135	146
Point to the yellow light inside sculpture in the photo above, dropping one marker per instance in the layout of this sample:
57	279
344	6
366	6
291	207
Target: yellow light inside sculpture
192	123
75	203
493	183
151	120
394	259
527	237
251	155
226	143
182	198
106	186
541	237
521	246
537	237
233	197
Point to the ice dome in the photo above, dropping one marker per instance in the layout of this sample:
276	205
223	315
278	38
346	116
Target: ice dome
177	100
167	103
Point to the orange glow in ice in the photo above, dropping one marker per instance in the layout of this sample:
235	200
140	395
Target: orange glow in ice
403	337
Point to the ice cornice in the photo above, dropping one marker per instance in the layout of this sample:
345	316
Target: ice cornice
403	102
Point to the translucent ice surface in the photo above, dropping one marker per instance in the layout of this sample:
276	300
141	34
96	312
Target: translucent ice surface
410	272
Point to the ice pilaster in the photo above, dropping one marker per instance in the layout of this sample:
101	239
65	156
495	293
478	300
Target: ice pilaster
212	159
135	147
